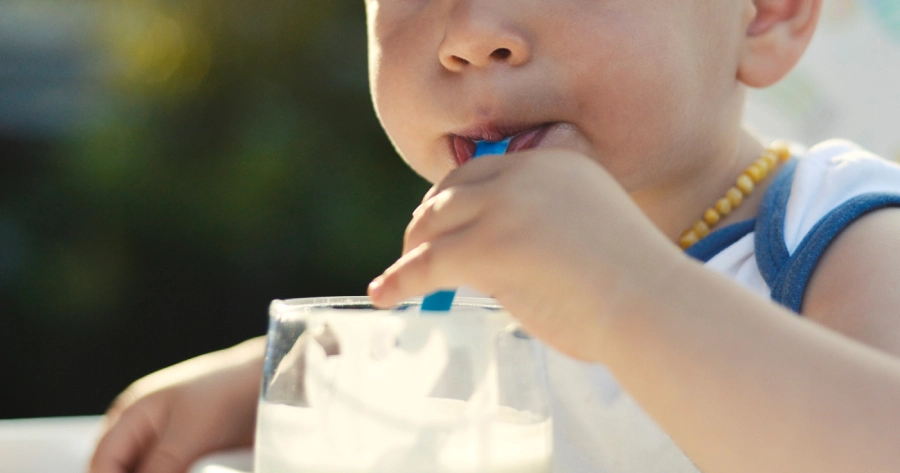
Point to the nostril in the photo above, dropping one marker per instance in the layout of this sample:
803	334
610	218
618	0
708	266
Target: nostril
459	61
501	54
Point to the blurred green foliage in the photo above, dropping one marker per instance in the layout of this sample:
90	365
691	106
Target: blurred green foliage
238	161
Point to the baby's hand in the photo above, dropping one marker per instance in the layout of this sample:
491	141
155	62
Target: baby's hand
163	422
548	233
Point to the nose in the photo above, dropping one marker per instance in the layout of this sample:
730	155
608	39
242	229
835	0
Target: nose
479	38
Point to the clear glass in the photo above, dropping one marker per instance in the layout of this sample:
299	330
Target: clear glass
348	388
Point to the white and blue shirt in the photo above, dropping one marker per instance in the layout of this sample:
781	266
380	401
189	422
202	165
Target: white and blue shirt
598	428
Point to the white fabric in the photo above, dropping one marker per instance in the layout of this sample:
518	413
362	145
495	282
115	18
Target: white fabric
598	427
835	171
738	262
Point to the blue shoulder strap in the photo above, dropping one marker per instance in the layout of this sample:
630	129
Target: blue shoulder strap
771	251
788	275
715	242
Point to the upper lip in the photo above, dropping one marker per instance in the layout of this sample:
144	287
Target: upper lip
491	131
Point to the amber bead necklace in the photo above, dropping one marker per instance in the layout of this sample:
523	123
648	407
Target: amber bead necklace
777	152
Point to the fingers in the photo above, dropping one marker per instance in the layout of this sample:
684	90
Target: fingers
124	443
481	169
445	212
426	268
163	459
458	199
133	444
434	240
118	406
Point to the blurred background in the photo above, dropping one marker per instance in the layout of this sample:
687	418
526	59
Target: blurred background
167	168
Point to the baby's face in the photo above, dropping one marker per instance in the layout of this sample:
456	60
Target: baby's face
633	84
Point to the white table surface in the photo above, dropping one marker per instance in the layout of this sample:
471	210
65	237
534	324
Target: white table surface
59	445
65	445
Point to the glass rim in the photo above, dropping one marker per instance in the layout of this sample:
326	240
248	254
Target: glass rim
300	305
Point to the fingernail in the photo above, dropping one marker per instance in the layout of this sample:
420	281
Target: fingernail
418	210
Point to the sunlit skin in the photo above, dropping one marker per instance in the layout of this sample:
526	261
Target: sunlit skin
637	90
645	99
575	236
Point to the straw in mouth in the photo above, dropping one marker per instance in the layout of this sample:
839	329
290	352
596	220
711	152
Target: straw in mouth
441	301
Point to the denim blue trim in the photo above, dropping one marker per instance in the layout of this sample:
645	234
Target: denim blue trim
771	251
715	242
790	284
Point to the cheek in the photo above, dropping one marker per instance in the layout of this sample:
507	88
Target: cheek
395	97
397	100
636	91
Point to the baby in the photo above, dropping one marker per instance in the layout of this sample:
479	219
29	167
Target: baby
635	227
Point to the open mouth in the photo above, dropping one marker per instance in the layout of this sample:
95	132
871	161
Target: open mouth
463	145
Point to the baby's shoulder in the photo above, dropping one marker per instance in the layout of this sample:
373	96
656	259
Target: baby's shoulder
814	198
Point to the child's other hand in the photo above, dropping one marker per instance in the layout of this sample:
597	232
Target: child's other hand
548	233
165	421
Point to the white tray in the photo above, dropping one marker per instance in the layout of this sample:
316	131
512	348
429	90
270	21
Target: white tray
52	445
65	445
233	461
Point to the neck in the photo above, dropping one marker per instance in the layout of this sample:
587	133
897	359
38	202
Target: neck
676	206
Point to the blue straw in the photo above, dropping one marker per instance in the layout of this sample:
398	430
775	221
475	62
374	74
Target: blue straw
441	301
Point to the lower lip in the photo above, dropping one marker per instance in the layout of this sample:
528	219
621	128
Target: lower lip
464	149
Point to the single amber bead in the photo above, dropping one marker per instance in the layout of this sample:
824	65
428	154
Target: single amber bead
755	173
770	158
688	239
701	228
711	217
781	149
763	165
745	184
734	196
723	206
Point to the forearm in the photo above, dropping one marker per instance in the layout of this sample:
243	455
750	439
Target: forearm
241	365
743	385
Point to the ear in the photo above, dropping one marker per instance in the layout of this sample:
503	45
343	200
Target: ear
776	38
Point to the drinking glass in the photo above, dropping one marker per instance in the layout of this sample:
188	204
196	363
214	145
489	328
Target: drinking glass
348	388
